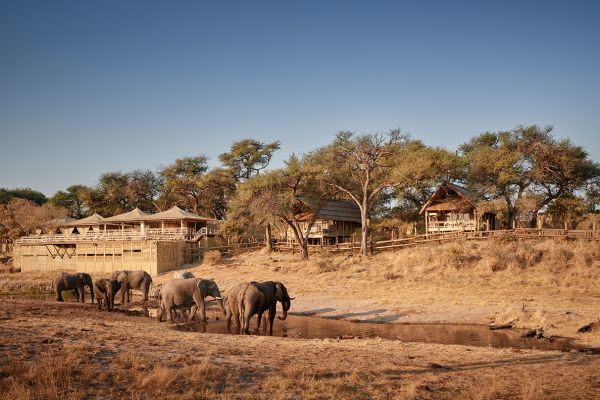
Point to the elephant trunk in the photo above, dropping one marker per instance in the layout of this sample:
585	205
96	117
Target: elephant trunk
221	305
91	292
286	307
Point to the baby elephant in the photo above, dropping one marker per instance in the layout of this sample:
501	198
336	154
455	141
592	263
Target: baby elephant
105	290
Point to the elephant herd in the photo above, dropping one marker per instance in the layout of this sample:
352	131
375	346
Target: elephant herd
104	289
241	302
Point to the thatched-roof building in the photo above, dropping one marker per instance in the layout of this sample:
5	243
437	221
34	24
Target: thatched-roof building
453	208
335	223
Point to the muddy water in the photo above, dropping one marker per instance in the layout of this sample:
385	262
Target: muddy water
303	327
307	327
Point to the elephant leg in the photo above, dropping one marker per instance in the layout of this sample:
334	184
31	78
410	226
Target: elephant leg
82	291
192	312
59	295
258	321
199	300
106	302
160	312
145	290
99	301
272	313
77	295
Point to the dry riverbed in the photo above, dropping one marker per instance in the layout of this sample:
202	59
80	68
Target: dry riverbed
68	350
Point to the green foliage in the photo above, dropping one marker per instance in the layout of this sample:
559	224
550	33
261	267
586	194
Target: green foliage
22	193
74	199
247	157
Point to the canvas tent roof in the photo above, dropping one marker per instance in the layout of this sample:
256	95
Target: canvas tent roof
175	213
93	219
337	210
132	216
440	201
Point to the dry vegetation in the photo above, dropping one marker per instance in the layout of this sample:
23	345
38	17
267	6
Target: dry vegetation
533	284
54	350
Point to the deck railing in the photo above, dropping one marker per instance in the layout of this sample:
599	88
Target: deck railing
451	226
113	235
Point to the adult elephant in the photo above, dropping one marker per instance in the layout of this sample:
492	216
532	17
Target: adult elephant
139	280
179	293
183	275
106	289
256	298
77	282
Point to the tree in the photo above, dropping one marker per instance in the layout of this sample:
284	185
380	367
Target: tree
21	217
22	193
422	169
361	167
143	188
508	164
292	195
568	208
73	199
248	157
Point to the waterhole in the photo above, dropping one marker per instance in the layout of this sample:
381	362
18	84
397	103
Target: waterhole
308	327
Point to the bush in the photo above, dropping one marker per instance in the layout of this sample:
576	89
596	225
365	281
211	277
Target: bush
212	257
390	276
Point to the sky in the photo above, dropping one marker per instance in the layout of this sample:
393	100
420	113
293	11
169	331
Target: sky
88	87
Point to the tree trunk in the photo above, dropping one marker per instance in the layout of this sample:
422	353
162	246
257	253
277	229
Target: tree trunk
268	238
304	250
364	230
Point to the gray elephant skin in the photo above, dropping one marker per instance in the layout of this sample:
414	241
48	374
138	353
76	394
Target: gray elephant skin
77	282
180	293
254	298
183	275
105	291
139	280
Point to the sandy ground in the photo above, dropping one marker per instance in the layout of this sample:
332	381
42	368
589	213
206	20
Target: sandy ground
554	287
71	350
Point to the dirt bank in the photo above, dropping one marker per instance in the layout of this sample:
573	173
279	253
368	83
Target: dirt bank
554	286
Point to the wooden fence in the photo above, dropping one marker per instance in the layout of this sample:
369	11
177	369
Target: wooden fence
376	246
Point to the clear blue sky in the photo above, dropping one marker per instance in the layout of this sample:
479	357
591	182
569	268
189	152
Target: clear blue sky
90	87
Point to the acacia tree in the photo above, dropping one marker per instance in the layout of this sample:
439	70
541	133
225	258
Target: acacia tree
248	157
509	164
291	195
361	167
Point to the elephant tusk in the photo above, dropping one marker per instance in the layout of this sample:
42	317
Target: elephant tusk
292	298
218	298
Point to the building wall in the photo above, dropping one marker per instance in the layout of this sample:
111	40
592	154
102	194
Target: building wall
105	256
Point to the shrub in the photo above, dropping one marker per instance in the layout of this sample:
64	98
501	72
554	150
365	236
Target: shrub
212	257
390	276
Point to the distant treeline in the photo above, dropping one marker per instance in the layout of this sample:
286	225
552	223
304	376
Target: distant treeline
517	173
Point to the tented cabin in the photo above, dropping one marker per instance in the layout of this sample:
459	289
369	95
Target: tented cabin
335	223
132	240
453	208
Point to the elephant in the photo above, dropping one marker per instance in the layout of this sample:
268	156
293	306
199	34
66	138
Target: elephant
76	282
106	289
183	275
179	293
258	297
139	279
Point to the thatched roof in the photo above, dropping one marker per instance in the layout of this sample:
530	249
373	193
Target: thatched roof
451	197
336	210
176	213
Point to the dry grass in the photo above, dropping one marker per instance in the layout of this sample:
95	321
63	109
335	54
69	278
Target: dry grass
212	257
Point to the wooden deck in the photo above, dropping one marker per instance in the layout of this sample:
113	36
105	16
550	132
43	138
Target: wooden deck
167	234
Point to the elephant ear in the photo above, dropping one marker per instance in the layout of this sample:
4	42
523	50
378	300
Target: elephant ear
202	287
279	291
